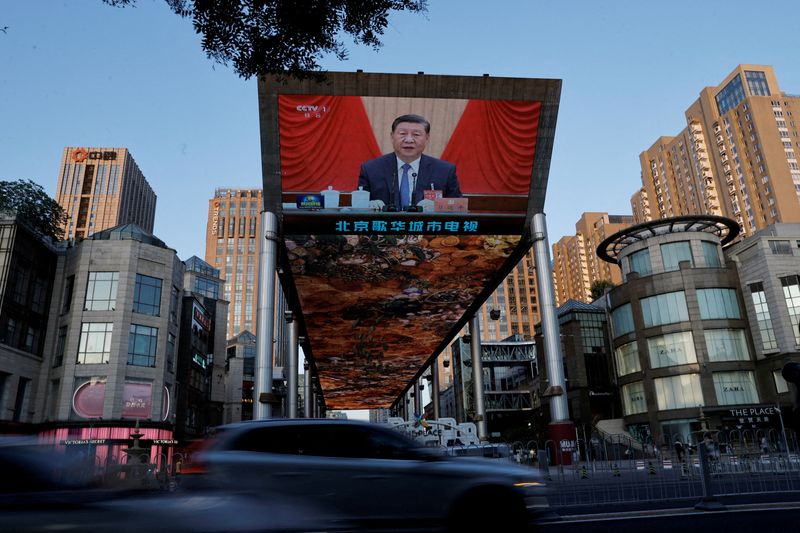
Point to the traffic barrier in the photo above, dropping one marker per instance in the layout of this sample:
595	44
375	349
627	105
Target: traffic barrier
616	472
684	470
667	464
639	465
584	472
651	470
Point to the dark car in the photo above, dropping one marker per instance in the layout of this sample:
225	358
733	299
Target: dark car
372	475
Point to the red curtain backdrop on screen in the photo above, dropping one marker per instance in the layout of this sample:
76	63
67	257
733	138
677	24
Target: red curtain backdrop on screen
323	141
493	146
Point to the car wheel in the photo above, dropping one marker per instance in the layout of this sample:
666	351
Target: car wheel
489	509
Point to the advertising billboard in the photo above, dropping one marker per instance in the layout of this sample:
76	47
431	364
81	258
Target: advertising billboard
404	200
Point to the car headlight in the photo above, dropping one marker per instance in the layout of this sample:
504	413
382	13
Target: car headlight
526	484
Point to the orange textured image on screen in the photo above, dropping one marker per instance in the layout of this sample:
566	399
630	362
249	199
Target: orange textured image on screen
324	140
377	306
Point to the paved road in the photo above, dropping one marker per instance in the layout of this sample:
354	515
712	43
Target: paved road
777	518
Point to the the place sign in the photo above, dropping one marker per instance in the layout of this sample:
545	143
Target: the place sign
753	411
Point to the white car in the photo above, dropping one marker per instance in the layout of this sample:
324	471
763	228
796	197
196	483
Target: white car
371	475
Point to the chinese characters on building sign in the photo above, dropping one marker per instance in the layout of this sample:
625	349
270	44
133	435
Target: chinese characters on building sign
403	227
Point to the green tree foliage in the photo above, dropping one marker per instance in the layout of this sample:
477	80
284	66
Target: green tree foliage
599	287
284	36
32	205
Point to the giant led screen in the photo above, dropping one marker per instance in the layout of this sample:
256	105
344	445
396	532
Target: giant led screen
404	201
325	140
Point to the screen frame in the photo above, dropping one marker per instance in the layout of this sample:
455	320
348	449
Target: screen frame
545	91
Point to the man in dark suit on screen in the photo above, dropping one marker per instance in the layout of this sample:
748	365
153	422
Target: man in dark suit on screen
397	180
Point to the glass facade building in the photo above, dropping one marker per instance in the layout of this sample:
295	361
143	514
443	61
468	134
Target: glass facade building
681	340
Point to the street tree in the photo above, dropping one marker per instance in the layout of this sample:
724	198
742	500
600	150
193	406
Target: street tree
33	206
599	287
281	37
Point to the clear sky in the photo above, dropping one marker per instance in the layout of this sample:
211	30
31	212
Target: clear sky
80	73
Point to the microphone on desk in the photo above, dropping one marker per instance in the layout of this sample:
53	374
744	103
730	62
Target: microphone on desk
413	207
392	207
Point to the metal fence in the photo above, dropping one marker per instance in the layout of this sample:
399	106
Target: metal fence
620	470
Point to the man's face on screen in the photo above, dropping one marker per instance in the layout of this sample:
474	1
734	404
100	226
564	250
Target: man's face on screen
409	140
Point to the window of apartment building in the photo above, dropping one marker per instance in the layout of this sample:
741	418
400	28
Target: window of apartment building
711	254
633	398
101	291
678	392
730	95
170	352
757	82
95	343
780	247
142	342
718	303
627	357
726	345
61	344
791	294
640	262
667	308
781	386
69	285
622	320
206	287
174	303
674	252
147	295
735	388
19	400
4	379
51	409
672	349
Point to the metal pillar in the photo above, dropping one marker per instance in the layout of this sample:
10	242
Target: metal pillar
417	399
291	369
307	391
458	384
547	308
435	387
477	377
265	317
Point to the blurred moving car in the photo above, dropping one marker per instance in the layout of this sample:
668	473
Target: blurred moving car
43	490
372	475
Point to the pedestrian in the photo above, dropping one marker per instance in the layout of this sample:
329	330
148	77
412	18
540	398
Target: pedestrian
679	450
764	445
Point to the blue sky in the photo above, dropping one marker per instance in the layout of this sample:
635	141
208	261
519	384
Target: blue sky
78	73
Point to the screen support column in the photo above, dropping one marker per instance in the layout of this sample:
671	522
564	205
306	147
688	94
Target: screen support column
265	317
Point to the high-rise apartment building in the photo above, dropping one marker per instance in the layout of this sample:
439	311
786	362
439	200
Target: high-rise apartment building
576	265
101	188
513	307
735	158
233	247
